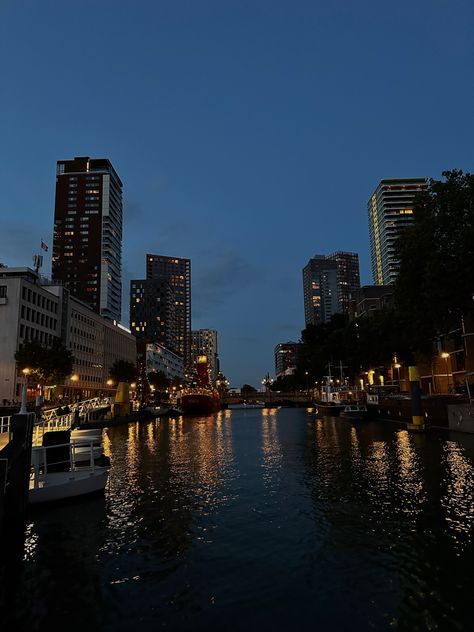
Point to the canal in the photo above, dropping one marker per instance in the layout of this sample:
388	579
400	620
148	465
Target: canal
247	520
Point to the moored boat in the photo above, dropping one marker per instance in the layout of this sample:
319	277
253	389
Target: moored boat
200	402
57	473
330	409
201	399
356	412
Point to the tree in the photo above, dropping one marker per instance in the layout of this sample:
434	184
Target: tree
158	379
123	371
435	285
48	365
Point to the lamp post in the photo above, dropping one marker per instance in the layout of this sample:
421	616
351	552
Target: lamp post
307	383
445	355
267	382
397	366
24	392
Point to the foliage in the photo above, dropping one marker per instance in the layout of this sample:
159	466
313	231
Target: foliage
435	285
284	383
48	365
123	371
158	379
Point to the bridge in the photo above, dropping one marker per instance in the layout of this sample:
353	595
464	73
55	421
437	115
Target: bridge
55	419
271	398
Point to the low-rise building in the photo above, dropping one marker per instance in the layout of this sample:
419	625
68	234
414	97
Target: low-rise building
159	358
32	308
370	298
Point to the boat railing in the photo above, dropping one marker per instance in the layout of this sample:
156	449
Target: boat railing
5	426
64	422
40	461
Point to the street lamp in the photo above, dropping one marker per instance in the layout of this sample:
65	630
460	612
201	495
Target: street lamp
267	382
445	355
24	394
307	383
397	366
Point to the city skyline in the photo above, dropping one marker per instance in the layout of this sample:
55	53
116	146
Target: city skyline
247	138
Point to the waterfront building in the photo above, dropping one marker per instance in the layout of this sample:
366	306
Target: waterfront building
87	242
286	358
204	342
177	272
390	211
34	308
369	299
159	358
328	282
28	311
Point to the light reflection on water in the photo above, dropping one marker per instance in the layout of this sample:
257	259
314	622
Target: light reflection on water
260	518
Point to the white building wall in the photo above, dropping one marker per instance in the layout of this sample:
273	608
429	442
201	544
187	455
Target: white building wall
28	311
159	358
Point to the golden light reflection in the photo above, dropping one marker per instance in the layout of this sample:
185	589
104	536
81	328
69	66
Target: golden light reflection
271	447
458	500
378	465
410	481
201	455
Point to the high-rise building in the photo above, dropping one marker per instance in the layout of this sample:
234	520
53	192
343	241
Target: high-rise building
328	282
390	209
204	342
286	358
87	242
153	312
177	272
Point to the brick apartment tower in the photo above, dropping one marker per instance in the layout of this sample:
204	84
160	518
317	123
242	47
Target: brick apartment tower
87	241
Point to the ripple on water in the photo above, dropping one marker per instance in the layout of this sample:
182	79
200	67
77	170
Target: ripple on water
269	519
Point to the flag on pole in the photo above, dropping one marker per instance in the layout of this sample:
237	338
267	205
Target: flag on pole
44	246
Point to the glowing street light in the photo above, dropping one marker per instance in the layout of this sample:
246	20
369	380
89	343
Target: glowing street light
445	355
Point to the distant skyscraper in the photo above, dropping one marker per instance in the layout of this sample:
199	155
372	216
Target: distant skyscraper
286	358
204	342
87	243
153	312
390	211
177	272
328	282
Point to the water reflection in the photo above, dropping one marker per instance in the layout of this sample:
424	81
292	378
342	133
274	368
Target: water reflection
259	519
458	499
272	455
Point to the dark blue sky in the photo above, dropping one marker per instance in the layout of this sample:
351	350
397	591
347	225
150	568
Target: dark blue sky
248	135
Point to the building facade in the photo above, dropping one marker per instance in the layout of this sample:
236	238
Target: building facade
159	358
369	299
153	313
205	342
177	272
34	308
28	311
328	282
286	358
390	211
87	240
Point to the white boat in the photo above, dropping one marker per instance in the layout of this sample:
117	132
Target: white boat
246	406
57	473
357	412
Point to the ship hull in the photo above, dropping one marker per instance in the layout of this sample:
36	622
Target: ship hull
199	404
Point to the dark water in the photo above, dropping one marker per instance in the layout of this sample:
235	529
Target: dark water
258	520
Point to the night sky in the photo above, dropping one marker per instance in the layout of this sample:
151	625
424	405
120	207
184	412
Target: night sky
248	135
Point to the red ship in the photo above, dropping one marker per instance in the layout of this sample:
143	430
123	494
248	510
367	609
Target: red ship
201	399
